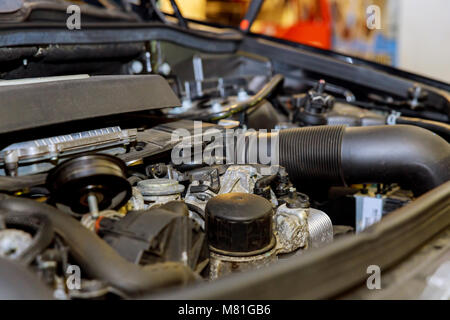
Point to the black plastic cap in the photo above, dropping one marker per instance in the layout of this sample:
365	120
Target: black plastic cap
239	224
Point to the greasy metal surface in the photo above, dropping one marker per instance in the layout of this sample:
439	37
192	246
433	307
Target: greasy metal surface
13	242
159	187
80	141
157	191
301	228
291	228
340	266
237	178
320	228
221	265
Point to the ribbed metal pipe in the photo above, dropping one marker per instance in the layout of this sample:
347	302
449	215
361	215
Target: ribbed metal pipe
320	228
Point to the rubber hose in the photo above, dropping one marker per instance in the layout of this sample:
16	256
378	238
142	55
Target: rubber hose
11	184
440	128
97	258
43	236
411	156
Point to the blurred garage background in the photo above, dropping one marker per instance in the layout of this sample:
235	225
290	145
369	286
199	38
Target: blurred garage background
413	35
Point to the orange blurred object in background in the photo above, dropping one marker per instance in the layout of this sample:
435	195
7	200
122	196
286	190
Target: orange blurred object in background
314	32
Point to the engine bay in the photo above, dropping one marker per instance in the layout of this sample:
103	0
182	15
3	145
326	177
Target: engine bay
165	166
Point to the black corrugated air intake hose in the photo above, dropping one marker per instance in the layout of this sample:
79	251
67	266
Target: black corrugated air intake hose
440	128
99	260
413	157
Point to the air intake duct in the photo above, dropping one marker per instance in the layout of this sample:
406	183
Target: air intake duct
413	157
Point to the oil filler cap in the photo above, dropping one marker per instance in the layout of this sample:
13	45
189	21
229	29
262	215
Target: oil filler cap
239	224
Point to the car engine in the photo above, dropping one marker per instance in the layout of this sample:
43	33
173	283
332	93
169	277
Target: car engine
161	172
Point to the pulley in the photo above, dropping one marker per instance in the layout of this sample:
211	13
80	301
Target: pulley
90	183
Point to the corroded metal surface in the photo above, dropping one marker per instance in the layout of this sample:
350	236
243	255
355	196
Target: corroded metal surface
291	228
221	265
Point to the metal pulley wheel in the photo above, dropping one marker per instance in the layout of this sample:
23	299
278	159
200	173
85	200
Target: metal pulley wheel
90	183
